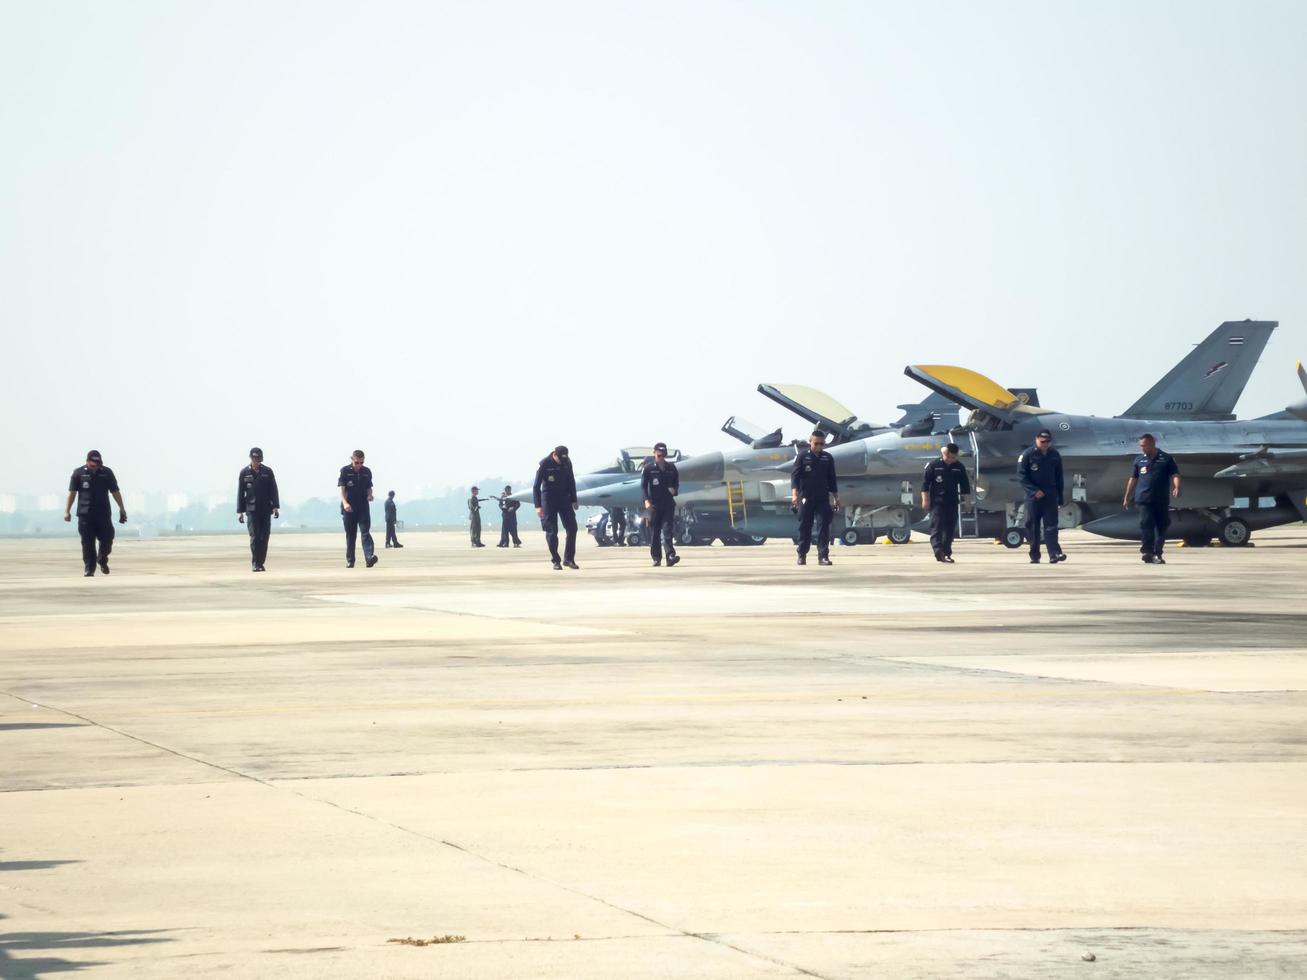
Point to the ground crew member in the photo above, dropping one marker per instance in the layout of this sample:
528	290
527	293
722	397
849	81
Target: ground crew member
508	519
660	483
814	492
617	521
1155	481
355	485
554	495
474	517
90	486
392	518
942	486
1039	469
256	505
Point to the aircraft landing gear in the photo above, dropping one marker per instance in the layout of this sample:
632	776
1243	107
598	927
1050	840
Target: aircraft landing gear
899	535
1234	532
850	537
1014	537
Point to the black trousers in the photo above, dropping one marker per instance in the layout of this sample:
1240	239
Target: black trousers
809	510
508	530
474	527
260	527
618	525
1042	511
943	525
358	522
1154	519
662	530
95	528
391	540
549	523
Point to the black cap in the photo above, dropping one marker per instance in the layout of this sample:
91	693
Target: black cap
94	454
507	488
952	447
475	489
1043	434
561	450
256	453
660	445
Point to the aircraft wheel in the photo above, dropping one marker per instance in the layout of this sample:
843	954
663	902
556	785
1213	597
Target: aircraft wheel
686	537
634	540
850	537
1014	537
900	535
754	540
1234	532
1197	542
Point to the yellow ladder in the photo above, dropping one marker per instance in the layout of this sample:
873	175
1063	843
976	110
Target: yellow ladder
735	498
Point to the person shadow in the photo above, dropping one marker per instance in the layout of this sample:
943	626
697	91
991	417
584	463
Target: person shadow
15	964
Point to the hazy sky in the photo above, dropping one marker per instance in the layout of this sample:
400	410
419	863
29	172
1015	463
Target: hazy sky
455	234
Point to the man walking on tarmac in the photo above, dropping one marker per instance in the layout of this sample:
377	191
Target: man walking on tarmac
554	495
942	485
91	486
660	483
1155	481
474	517
1039	470
814	493
392	519
508	519
355	486
257	504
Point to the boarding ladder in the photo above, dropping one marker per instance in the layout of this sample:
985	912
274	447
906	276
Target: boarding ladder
735	499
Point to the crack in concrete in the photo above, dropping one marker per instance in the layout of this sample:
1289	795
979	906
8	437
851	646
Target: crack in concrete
704	937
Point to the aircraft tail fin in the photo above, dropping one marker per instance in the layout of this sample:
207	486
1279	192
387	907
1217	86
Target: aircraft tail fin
1207	383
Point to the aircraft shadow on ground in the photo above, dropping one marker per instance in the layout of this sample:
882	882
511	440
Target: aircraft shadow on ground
27	726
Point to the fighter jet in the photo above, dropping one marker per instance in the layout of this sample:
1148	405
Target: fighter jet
1239	476
745	495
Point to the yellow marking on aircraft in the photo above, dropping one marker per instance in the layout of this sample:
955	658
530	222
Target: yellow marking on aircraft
922	445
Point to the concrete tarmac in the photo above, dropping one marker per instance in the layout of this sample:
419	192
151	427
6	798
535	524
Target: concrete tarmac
733	768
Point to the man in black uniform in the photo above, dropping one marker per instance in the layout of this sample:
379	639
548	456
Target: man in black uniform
554	494
1039	469
90	486
814	492
355	485
256	505
392	518
660	483
1155	481
508	519
474	517
617	521
942	485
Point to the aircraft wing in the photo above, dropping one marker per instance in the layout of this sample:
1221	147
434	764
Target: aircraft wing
972	390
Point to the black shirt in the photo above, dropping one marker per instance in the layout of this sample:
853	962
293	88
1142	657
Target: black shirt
944	481
508	506
658	482
93	488
256	491
1153	478
1041	471
814	474
554	482
356	487
390	511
